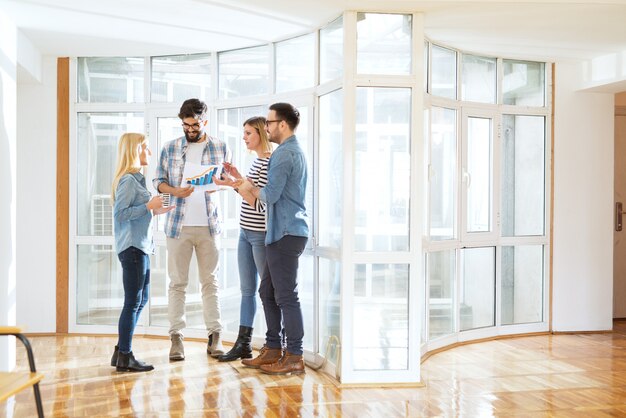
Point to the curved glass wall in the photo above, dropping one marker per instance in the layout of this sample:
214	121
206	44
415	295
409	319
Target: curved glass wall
427	194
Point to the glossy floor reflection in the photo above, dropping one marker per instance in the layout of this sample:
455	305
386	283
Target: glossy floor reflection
560	375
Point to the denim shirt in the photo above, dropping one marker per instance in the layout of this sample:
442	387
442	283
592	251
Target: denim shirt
131	217
285	192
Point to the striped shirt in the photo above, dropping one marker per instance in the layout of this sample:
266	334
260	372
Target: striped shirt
253	217
170	171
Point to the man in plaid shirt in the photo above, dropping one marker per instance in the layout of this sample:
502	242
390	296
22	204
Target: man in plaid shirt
194	224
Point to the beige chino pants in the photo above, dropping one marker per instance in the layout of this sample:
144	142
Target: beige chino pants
179	253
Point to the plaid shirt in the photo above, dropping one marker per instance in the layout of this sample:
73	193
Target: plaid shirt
170	171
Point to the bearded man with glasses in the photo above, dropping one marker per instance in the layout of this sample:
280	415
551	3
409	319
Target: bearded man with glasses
193	225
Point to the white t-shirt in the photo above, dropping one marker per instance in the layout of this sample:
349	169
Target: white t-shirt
195	204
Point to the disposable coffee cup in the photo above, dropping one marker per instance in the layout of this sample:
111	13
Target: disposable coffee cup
165	197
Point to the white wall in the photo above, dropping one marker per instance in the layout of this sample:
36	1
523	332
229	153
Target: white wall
8	163
36	200
583	205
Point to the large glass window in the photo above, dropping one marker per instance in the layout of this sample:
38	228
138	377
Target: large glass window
98	135
523	175
244	72
176	78
329	307
230	129
383	43
295	63
331	51
330	171
522	284
443	72
477	294
441	270
524	83
443	173
100	295
382	169
110	80
380	313
478	178
478	79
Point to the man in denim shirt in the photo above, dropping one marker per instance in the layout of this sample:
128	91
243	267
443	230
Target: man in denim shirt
286	237
193	225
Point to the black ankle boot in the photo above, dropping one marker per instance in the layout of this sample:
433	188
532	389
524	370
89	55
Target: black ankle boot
128	363
242	348
114	356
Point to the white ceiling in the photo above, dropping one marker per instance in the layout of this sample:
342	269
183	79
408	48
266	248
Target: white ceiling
533	29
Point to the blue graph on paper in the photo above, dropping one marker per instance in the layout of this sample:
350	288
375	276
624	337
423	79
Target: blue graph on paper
205	178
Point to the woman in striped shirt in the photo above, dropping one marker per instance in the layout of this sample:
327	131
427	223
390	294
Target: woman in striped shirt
251	248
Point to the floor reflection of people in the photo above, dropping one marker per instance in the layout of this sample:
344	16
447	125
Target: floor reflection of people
285	401
124	389
175	393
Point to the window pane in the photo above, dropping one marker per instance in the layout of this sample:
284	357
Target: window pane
478	79
331	51
307	146
443	69
522	284
230	130
523	175
330	202
98	135
230	293
244	72
99	288
442	176
380	313
382	169
383	43
329	310
441	273
159	281
295	63
110	80
524	83
179	77
168	128
479	174
306	293
477	297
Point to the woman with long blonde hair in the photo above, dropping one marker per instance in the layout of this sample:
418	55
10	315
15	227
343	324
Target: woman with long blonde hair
251	246
133	208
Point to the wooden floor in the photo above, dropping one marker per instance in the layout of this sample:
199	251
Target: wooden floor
581	375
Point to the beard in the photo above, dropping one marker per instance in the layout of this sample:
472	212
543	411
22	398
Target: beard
194	137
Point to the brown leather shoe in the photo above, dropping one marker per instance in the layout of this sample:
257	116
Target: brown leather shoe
266	356
288	364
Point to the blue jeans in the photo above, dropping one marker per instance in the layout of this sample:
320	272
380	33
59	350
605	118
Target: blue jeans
136	279
251	260
279	294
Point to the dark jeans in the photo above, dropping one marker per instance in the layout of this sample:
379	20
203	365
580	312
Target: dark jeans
279	293
136	279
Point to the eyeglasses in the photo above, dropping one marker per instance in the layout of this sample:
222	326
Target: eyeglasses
267	122
192	127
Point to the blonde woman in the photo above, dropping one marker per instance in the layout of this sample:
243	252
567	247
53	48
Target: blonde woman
133	208
251	247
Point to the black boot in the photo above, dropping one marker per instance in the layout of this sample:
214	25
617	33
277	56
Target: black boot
242	348
114	357
128	363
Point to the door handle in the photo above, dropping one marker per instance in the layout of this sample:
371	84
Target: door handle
618	216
